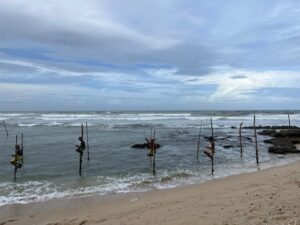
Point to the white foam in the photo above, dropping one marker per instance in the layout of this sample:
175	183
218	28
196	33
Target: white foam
27	124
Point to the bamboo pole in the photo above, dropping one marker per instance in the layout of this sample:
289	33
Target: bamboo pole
255	138
289	120
22	148
87	141
154	153
80	163
16	168
81	153
213	143
212	129
212	165
241	141
5	128
154	171
198	145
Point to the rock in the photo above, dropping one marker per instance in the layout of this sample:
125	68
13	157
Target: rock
139	146
143	146
283	140
274	127
227	146
283	149
267	132
268	141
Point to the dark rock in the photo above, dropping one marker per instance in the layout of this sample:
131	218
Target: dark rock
143	146
267	132
268	141
283	140
227	146
283	149
247	138
273	127
233	127
139	146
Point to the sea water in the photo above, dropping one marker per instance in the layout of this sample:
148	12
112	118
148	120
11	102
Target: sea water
51	163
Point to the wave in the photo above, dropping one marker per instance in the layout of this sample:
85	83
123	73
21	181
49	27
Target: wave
38	191
27	124
40	124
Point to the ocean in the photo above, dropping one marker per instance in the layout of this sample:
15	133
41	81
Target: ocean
51	163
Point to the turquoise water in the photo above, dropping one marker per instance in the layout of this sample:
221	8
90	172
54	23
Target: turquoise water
51	163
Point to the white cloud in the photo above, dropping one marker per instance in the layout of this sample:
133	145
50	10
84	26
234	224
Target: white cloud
230	88
190	40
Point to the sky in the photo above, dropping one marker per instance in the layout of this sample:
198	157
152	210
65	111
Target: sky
149	55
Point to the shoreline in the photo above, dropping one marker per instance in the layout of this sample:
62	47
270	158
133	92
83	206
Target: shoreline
192	180
267	196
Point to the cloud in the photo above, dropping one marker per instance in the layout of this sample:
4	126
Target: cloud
169	53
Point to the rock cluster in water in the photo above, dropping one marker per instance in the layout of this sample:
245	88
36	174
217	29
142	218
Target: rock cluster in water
284	139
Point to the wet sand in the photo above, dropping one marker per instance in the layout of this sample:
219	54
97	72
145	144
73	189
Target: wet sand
270	196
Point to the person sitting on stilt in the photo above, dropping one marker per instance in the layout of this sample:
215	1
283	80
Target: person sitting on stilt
151	146
210	148
81	147
18	157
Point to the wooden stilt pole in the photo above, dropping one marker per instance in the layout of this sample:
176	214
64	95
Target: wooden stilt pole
22	148
5	128
154	171
16	168
198	145
213	142
87	141
212	165
255	137
289	120
80	163
241	139
15	173
212	129
80	154
154	154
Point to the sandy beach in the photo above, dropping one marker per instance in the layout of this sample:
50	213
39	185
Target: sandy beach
270	196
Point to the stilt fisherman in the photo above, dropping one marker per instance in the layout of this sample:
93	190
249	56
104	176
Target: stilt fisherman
17	161
81	147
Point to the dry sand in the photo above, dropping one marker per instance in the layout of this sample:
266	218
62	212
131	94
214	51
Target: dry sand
269	196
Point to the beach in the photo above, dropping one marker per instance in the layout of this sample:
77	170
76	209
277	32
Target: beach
269	196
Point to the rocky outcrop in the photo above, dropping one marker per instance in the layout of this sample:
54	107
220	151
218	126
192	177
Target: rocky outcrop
283	140
274	127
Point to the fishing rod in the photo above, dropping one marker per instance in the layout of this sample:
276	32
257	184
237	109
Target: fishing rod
5	128
80	153
87	141
16	168
212	129
22	149
198	146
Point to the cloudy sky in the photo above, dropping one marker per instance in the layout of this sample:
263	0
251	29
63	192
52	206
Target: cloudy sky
149	55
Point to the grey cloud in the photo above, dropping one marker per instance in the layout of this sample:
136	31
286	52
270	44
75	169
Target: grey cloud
238	77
